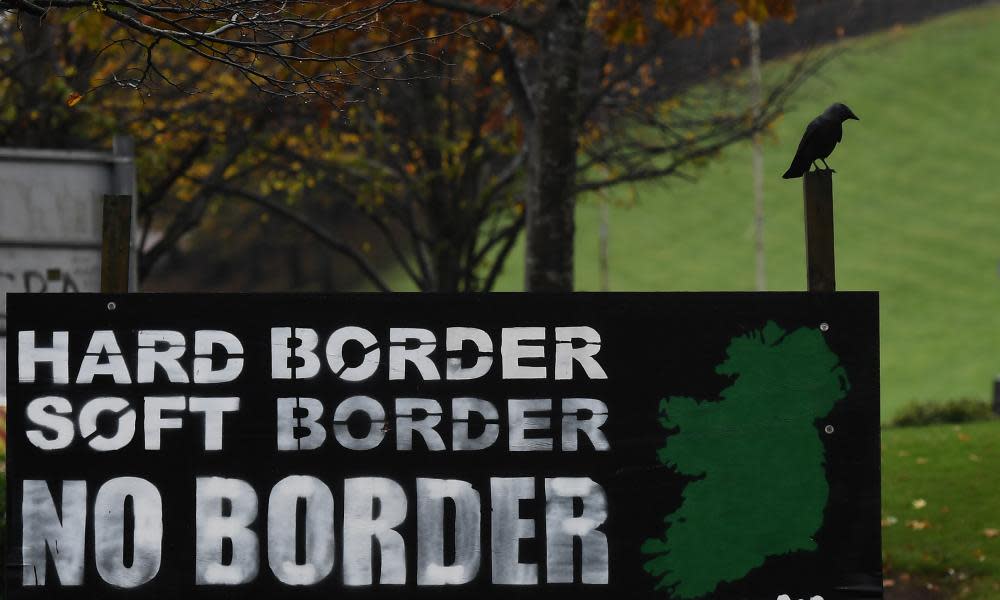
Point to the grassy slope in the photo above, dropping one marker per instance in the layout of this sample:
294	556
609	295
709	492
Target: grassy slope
953	469
918	207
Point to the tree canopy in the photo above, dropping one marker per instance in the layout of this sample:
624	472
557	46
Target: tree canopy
286	48
467	124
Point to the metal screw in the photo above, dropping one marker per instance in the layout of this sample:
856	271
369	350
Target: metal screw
824	327
112	306
828	429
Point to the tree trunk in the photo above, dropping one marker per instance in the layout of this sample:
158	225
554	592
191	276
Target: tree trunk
552	152
447	264
37	54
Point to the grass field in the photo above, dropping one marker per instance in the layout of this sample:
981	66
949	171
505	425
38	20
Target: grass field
917	202
940	516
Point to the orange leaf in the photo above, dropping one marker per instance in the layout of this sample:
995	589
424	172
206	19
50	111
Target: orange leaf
73	99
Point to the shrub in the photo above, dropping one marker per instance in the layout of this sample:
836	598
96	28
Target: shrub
961	410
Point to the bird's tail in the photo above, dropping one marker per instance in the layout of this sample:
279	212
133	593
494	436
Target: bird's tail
798	168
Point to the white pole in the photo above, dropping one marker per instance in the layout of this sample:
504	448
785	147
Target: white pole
602	247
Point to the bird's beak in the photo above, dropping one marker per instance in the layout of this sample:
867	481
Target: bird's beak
855	117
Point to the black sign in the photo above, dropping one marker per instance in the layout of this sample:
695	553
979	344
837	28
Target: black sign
661	446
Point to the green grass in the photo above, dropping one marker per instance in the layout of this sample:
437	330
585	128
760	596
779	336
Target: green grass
952	472
917	202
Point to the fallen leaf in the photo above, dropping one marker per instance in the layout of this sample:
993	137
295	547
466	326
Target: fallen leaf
918	525
919	503
889	521
73	99
921	460
974	457
964	437
991	532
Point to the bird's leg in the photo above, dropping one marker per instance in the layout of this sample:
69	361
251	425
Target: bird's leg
815	166
827	166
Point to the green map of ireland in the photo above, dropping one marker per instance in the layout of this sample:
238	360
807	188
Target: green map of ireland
757	461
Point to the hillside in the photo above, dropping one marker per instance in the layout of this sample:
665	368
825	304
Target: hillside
917	201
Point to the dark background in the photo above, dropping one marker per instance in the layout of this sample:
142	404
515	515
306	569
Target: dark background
653	346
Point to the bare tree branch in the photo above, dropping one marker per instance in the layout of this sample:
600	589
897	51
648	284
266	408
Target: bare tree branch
320	233
285	49
501	258
503	15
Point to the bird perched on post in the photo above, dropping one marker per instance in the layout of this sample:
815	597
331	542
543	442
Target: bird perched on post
821	136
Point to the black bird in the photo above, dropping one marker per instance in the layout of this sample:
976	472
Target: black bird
819	140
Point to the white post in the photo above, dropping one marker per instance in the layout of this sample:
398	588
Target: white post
602	247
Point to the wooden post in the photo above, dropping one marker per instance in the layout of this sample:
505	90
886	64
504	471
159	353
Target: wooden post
123	148
996	395
820	268
116	224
